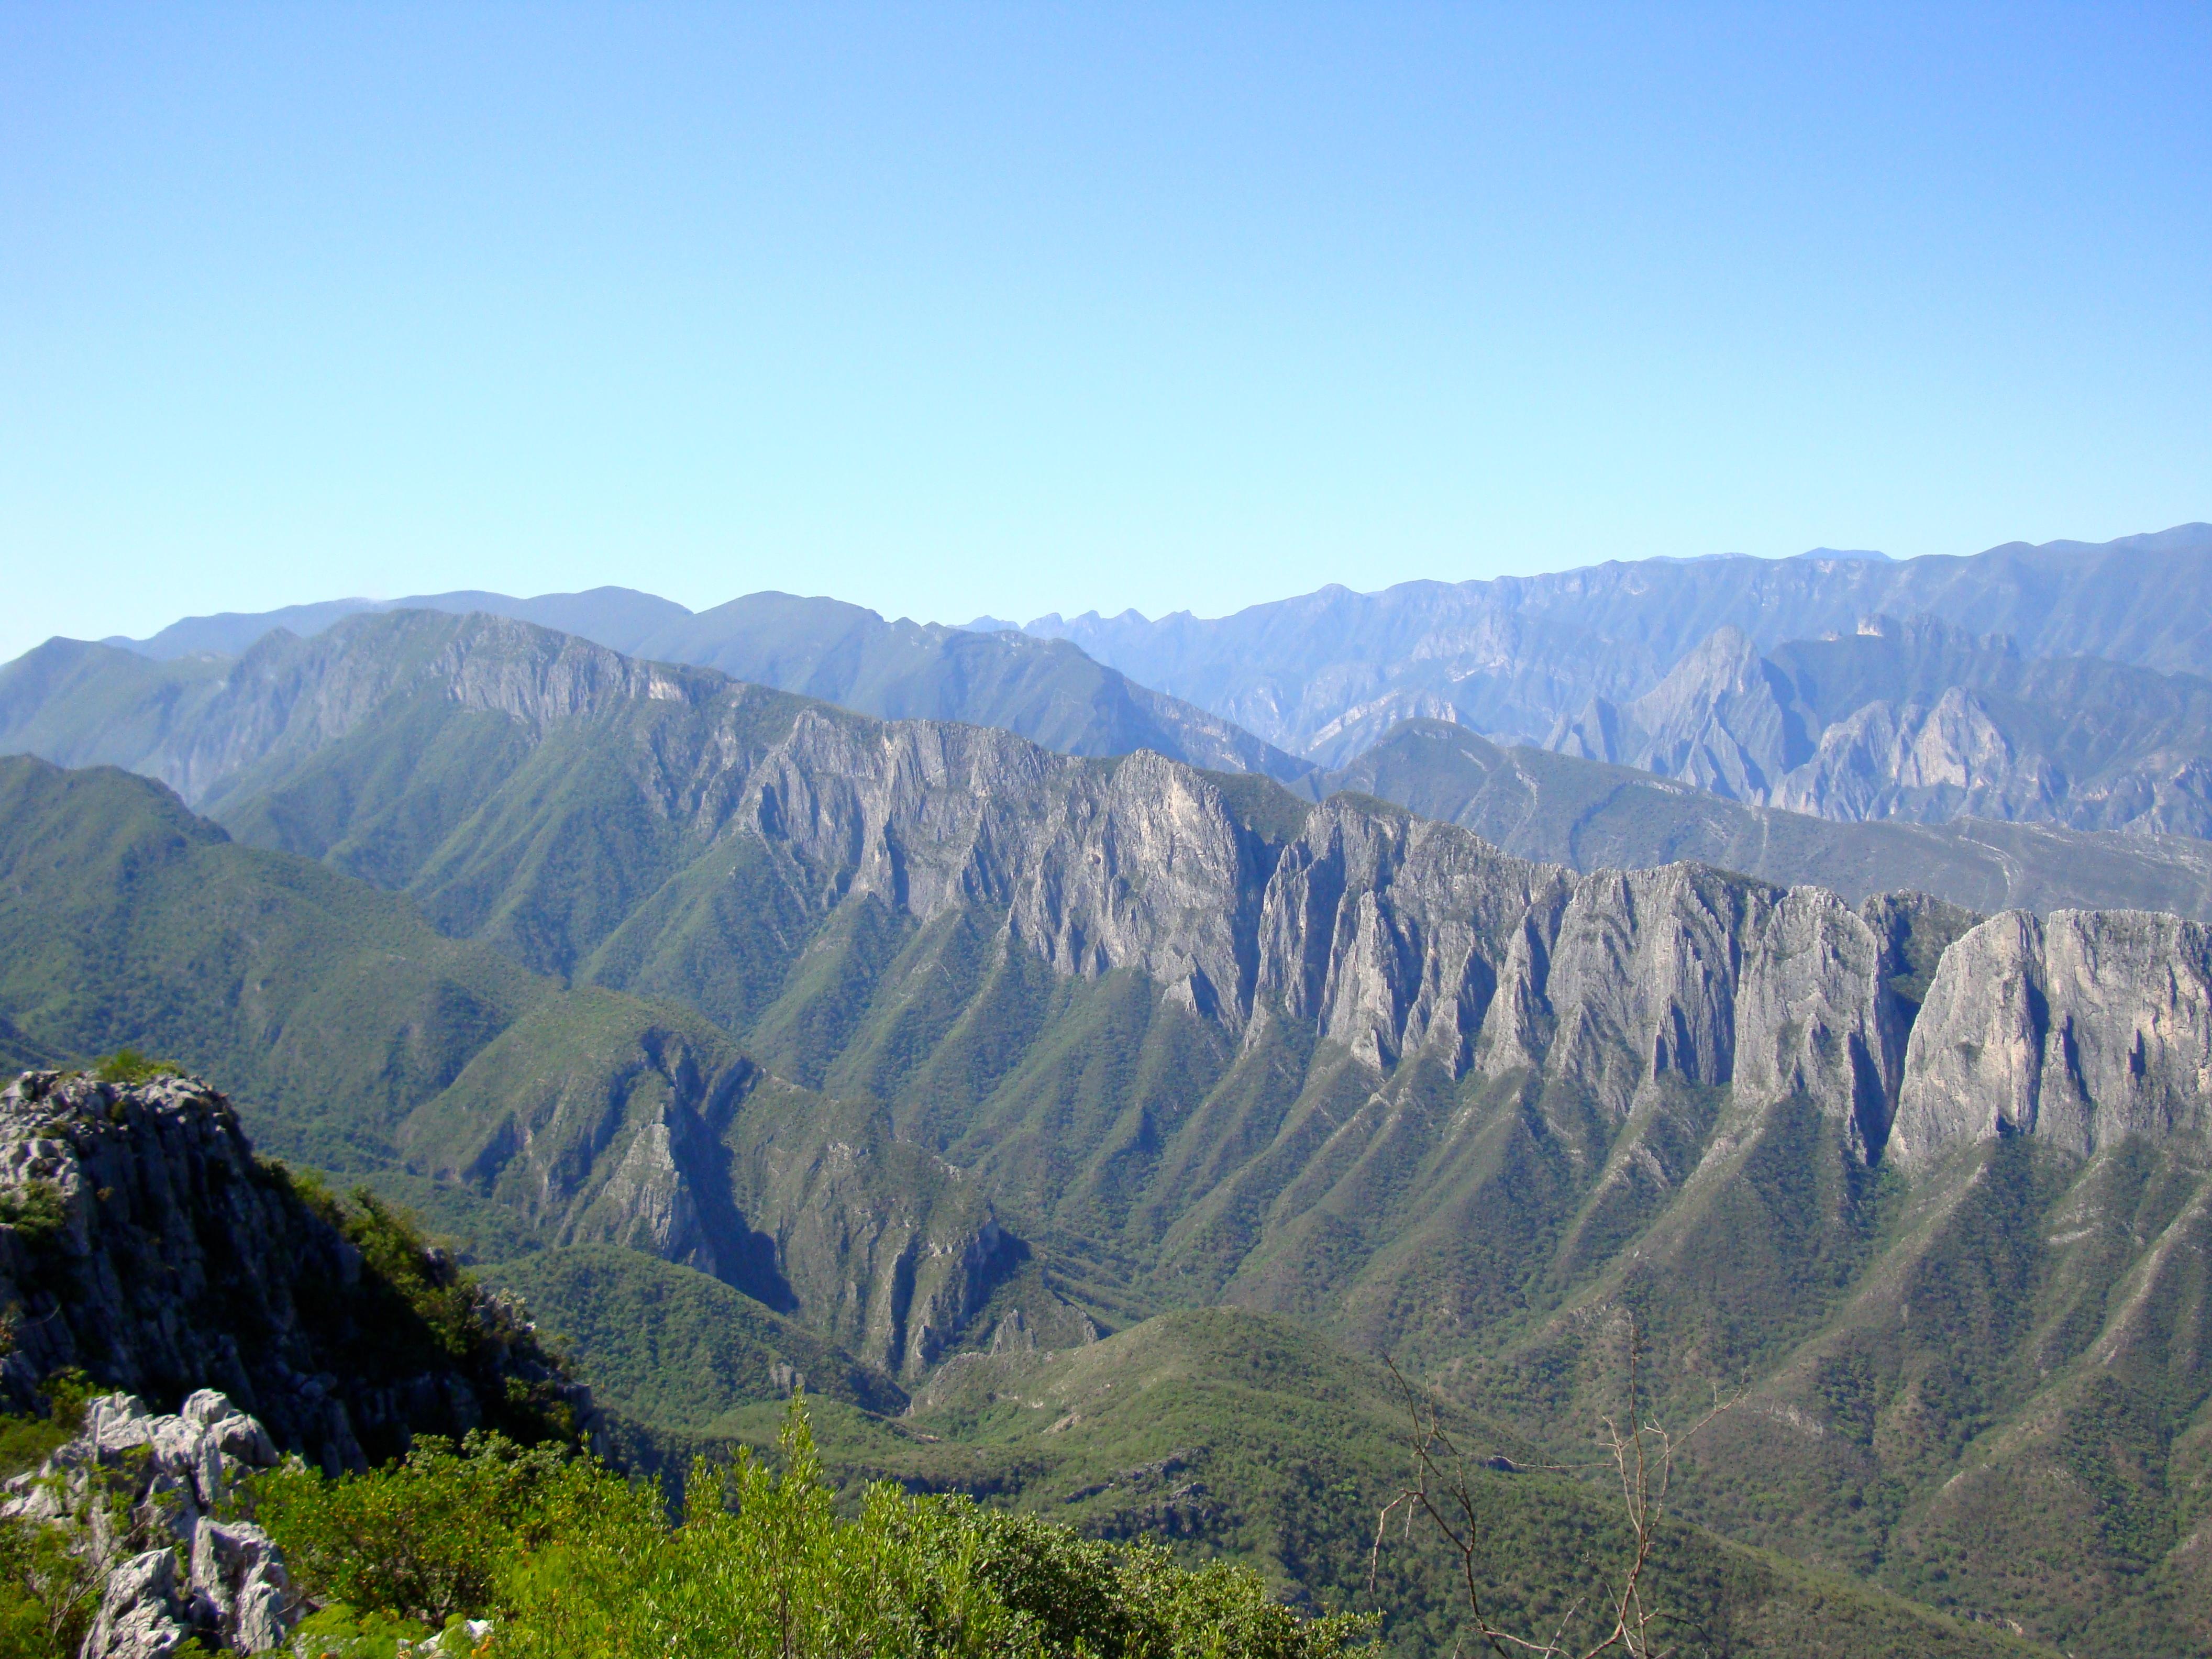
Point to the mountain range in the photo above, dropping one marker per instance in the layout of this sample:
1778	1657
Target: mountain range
188	718
1923	722
930	1041
1044	689
1327	674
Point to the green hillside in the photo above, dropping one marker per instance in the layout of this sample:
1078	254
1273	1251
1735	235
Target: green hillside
680	997
1227	1433
671	1348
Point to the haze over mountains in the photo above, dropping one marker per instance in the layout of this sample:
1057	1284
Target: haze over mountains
1047	691
1920	721
1911	721
1326	674
965	1070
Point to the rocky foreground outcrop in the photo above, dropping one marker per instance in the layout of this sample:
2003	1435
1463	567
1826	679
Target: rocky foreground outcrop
142	1240
153	1499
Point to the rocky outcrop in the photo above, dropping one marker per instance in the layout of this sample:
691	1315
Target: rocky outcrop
143	1242
1721	719
154	1501
2078	1030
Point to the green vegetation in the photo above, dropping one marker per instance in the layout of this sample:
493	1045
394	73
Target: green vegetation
673	1349
35	1210
49	1591
1235	1438
973	1153
566	1559
128	1066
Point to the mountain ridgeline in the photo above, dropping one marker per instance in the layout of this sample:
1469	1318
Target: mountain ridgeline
1047	690
1595	815
1327	674
930	1041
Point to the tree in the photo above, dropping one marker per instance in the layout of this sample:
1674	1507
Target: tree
1641	1460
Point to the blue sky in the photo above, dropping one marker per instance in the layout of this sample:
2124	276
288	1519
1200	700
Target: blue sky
952	309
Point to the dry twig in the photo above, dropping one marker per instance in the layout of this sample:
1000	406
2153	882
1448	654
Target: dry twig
1642	1460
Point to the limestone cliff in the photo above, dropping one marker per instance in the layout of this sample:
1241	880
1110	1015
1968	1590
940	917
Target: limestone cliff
144	1243
2079	1030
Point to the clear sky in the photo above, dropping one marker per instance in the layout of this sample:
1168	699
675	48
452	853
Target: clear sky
950	309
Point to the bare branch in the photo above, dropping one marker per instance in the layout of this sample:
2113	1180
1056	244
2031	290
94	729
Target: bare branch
1643	1459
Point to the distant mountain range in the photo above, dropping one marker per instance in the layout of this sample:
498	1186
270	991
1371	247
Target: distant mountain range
1591	815
1327	674
1046	690
1921	721
210	727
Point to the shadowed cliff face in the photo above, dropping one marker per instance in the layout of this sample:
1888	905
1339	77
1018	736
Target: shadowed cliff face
144	1243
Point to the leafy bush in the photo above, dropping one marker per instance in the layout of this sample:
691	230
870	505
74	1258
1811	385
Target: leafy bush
128	1066
570	1559
35	1209
48	1591
426	1538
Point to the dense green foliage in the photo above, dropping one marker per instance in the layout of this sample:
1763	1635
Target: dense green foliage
677	1349
128	1066
569	1559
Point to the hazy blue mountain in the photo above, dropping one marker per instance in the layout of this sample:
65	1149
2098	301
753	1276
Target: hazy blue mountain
1921	721
1327	673
619	618
227	633
1047	690
1590	815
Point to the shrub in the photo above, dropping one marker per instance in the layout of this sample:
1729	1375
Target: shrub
128	1066
571	1560
36	1209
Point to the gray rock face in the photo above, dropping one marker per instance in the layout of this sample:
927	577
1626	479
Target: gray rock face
147	1491
2078	1030
1591	815
148	1246
1394	939
1918	722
